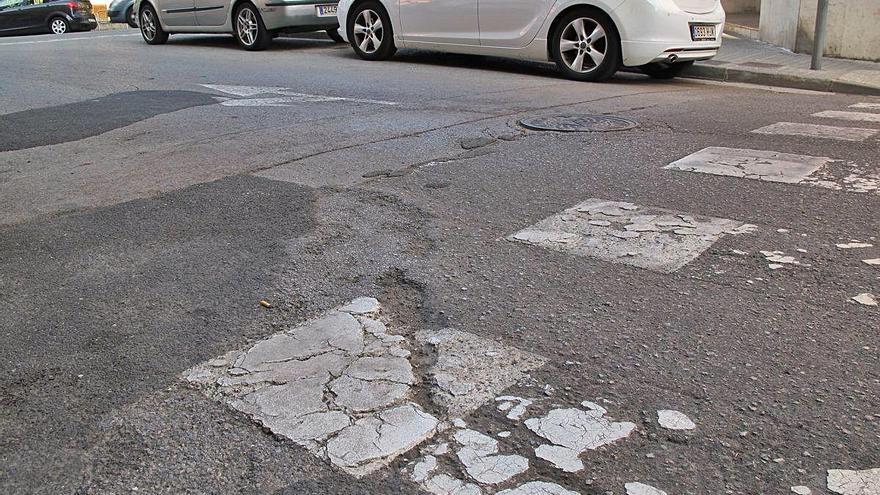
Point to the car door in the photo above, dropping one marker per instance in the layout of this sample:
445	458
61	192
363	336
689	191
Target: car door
34	15
211	12
440	21
11	19
181	13
511	23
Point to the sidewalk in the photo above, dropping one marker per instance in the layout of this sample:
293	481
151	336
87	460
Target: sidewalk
749	61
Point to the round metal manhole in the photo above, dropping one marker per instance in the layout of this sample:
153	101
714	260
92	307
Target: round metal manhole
578	123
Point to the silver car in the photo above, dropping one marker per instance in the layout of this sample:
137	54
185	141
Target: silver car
253	23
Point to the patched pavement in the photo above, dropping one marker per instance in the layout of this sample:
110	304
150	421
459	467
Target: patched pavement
295	284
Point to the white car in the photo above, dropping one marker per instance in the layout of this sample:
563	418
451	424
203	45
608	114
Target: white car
253	23
589	40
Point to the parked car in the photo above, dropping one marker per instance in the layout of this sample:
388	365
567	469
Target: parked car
253	23
122	11
45	16
589	40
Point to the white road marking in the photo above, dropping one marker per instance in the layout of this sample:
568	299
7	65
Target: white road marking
674	420
854	116
751	164
59	40
642	489
817	131
276	96
847	482
646	237
866	105
866	299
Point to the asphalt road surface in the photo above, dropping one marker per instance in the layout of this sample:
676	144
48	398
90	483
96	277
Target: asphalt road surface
152	197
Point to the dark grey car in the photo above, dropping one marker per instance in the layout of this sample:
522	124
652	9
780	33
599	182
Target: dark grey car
122	11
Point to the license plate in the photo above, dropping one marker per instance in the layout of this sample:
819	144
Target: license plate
326	10
703	32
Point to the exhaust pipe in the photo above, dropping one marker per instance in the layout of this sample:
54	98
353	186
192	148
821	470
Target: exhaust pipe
671	59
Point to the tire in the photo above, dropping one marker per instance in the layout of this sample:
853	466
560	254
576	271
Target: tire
58	25
334	35
130	17
248	29
591	50
151	29
370	32
662	70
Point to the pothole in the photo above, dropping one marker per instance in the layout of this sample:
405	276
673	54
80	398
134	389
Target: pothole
578	123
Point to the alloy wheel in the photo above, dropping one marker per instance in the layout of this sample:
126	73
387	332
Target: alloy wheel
583	45
247	27
368	31
148	24
58	26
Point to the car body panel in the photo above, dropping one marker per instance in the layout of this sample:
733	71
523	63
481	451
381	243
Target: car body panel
439	21
650	30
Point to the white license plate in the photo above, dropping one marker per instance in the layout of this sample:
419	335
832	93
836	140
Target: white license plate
703	32
326	10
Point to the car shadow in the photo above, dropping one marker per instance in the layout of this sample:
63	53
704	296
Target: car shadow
282	42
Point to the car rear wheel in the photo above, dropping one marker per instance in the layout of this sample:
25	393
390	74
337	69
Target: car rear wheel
59	26
131	17
585	45
151	30
249	30
662	70
370	32
334	35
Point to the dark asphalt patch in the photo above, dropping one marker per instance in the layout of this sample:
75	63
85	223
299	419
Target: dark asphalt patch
74	121
103	307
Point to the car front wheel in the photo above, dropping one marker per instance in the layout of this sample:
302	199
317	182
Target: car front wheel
151	30
370	33
58	26
585	45
130	17
249	30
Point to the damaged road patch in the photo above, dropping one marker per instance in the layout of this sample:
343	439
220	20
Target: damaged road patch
342	386
621	232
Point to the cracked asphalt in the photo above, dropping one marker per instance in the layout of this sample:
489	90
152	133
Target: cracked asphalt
142	221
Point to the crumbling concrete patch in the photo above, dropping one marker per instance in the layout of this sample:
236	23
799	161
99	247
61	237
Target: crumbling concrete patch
621	232
479	456
340	385
443	484
674	420
538	488
514	406
848	482
574	431
751	164
642	489
470	370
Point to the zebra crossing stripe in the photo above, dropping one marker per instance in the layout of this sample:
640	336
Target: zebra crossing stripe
875	106
855	116
817	131
751	164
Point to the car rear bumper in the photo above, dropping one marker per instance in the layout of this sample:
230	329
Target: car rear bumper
83	23
296	16
665	35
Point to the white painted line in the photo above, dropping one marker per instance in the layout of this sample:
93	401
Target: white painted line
751	164
875	106
817	131
646	237
59	40
280	96
854	116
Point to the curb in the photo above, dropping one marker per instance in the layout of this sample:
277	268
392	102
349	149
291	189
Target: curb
729	74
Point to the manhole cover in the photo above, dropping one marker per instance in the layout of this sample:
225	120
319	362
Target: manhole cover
578	123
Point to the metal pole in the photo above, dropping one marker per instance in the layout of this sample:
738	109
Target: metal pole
819	35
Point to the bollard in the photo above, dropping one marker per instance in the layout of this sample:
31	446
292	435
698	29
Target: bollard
819	35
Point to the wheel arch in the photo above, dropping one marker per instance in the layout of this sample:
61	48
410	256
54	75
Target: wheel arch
388	5
233	7
606	10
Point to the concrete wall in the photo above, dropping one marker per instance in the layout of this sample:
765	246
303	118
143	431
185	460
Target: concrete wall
853	26
741	6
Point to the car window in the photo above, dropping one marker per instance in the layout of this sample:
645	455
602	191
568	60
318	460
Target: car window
10	4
